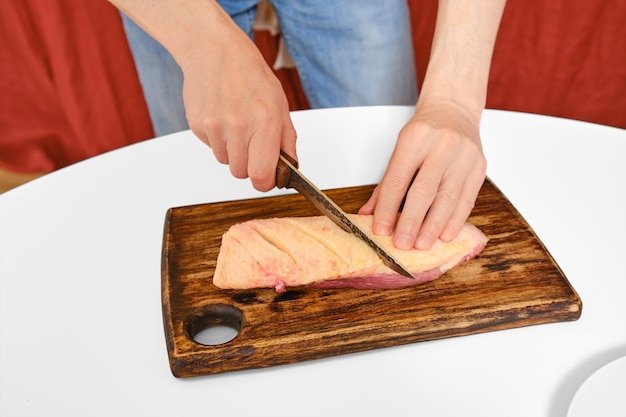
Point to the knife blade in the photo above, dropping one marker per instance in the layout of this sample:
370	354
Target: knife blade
288	175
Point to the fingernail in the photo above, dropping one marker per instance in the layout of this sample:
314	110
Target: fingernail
423	242
403	241
383	228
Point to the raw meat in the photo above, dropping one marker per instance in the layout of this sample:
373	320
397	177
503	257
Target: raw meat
296	251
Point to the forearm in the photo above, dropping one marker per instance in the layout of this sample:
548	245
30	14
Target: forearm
461	53
180	26
233	101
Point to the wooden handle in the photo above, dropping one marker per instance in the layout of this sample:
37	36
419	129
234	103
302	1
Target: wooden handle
283	173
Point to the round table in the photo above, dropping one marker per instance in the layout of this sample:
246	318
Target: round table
80	253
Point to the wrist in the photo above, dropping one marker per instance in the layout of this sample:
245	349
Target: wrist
460	101
458	69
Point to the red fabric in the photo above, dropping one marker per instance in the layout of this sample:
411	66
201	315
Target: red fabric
69	88
68	85
564	58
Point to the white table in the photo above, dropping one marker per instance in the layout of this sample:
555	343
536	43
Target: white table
80	308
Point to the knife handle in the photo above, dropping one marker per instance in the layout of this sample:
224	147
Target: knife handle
283	172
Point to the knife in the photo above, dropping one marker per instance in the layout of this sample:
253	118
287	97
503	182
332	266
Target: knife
287	175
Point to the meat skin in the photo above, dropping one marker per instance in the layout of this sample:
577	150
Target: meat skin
312	251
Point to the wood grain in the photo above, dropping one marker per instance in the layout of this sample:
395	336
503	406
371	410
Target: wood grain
514	282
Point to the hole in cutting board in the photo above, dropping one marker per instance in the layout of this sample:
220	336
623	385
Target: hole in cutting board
215	335
215	324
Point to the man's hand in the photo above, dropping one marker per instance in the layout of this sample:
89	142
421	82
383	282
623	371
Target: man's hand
237	106
234	102
438	164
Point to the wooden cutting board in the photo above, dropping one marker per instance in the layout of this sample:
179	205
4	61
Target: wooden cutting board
514	282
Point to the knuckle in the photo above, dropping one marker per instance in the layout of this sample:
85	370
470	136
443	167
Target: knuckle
466	205
232	122
481	163
219	151
256	176
203	122
291	134
262	183
395	183
199	130
411	223
417	128
221	158
238	171
448	197
424	188
261	180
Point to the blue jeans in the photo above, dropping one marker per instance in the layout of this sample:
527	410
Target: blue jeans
347	52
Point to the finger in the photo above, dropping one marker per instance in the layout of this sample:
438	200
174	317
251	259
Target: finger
440	211
200	134
393	187
392	190
263	154
289	137
370	205
262	165
212	135
213	141
467	200
237	153
218	146
419	199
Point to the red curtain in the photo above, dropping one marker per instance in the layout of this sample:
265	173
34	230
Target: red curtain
69	88
563	58
68	85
